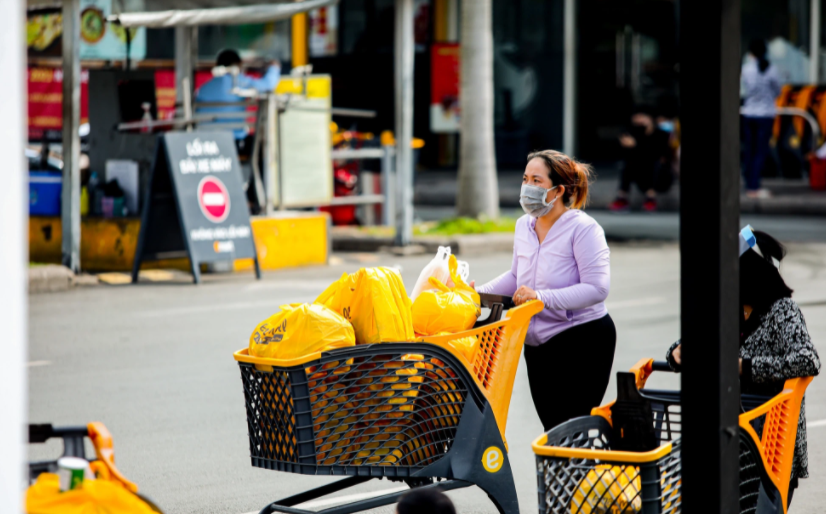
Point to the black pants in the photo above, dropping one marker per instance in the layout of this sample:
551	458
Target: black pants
568	374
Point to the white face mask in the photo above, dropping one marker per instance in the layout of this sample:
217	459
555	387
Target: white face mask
532	200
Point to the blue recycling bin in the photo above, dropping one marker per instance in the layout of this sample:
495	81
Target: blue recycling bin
44	193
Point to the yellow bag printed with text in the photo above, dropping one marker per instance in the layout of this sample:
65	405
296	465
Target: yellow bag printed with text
608	489
92	497
375	302
300	329
446	309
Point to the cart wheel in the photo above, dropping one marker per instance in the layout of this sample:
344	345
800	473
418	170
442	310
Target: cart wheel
418	482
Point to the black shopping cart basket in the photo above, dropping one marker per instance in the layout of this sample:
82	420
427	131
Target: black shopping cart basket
425	413
625	457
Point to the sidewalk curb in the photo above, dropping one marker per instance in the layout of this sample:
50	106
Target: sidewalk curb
460	244
50	278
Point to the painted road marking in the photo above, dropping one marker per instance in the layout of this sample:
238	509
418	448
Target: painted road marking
34	364
815	424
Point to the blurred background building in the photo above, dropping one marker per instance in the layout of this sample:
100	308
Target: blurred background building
627	55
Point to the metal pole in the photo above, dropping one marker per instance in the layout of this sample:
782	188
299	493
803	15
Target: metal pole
569	79
13	267
404	121
273	174
388	209
70	199
186	100
710	69
186	57
299	39
814	41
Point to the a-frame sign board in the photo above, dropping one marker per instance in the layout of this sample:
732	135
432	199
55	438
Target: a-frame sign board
194	205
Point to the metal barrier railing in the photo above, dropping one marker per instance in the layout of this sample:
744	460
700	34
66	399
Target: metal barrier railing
806	115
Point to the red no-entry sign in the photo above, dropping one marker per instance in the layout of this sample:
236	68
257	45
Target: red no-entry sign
213	198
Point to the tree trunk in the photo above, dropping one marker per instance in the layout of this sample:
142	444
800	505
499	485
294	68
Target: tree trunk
478	190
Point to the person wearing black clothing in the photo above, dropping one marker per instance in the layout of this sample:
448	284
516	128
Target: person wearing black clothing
645	147
774	341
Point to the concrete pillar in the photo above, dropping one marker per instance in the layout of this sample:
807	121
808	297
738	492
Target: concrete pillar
404	121
13	267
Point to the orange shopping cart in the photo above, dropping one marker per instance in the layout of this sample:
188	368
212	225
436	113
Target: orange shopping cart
424	413
625	457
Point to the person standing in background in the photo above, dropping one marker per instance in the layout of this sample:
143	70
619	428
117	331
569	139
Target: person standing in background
760	85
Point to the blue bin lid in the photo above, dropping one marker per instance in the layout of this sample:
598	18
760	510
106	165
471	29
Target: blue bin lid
45	177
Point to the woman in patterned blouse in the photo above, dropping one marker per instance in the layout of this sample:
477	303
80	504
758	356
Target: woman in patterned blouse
774	342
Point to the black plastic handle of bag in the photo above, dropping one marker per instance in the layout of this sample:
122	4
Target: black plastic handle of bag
661	366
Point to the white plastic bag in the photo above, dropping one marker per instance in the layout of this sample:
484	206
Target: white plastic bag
463	270
436	268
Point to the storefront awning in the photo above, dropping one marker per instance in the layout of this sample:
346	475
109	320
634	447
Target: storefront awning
177	13
261	13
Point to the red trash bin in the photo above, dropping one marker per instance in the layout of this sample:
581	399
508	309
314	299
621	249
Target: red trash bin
817	173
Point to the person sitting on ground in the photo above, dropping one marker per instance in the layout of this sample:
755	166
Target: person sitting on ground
774	341
645	147
425	501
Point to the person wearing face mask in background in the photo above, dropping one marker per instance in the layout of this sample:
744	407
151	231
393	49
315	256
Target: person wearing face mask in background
645	148
561	258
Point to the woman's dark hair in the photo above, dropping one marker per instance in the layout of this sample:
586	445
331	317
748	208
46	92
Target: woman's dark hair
431	501
568	172
228	57
757	48
760	282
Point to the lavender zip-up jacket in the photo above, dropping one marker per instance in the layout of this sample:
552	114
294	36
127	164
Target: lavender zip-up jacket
570	271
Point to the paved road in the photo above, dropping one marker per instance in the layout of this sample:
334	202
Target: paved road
665	226
154	362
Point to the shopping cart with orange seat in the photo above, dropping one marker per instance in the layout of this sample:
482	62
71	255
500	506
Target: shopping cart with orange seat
103	464
424	413
625	457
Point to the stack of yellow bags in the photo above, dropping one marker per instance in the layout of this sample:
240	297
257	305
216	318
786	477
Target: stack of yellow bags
375	302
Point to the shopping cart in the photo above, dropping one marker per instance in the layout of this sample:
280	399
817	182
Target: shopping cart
625	457
423	413
74	446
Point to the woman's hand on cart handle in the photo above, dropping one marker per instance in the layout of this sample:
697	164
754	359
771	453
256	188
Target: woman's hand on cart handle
524	294
473	284
676	354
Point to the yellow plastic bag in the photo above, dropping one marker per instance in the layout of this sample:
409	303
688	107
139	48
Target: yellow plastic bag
446	309
464	345
607	489
300	329
93	497
375	302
